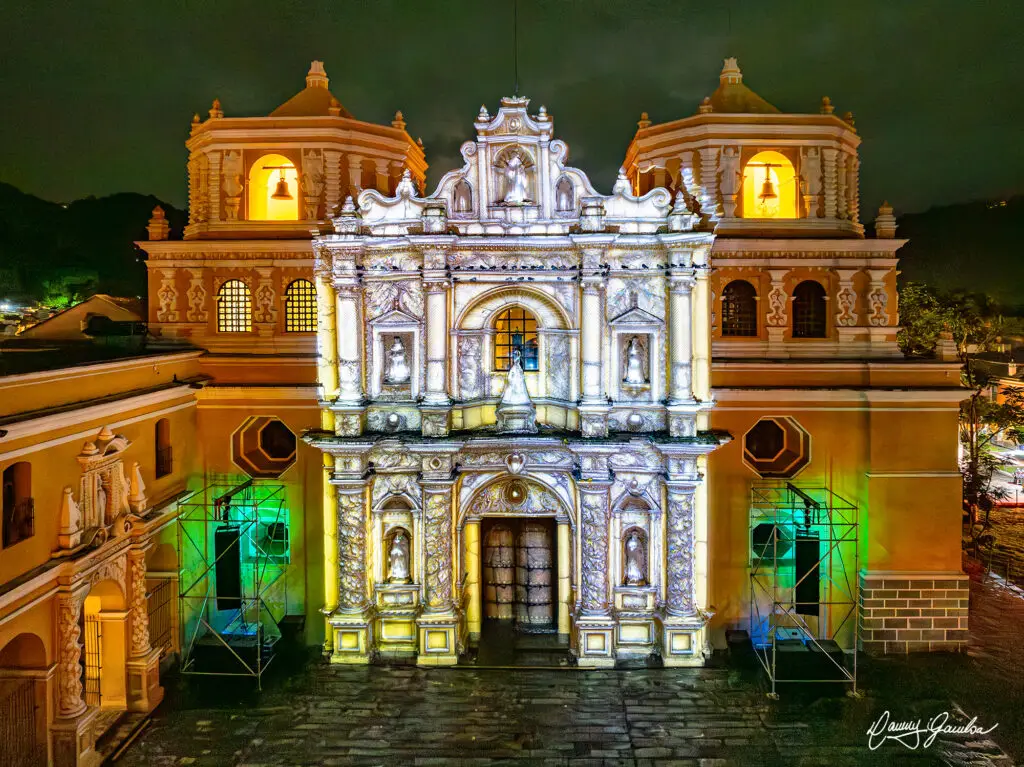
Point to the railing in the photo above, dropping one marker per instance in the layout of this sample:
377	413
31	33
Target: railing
20	522
93	664
164	461
160	603
19	731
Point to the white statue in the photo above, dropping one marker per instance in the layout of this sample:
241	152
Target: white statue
101	502
634	373
231	169
515	384
398	366
398	567
515	178
634	561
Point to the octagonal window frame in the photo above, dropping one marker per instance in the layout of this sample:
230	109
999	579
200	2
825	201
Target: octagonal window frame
242	458
782	421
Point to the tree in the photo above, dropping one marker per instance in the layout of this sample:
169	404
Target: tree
989	412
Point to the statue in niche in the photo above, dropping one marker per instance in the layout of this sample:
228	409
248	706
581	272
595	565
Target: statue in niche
634	564
515	384
463	197
398	559
398	365
563	196
101	503
515	181
634	369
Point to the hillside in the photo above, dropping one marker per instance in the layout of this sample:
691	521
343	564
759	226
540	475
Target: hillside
973	246
86	242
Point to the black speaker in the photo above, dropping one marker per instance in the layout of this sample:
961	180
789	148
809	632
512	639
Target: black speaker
228	568
808	581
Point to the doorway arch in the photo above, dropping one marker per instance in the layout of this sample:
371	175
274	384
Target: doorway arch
105	620
24	700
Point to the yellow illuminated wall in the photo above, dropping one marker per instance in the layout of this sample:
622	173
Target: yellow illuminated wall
263	179
780	172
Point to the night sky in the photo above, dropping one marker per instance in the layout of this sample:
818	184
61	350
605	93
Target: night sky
97	97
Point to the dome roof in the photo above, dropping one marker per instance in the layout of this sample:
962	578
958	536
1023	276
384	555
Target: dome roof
314	100
735	97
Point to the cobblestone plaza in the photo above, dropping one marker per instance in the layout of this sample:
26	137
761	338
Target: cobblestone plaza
712	716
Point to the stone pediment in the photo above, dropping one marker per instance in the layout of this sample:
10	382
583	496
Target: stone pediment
395	317
635	316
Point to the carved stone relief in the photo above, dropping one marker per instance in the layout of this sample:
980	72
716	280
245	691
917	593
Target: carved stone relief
558	366
438	547
167	295
139	613
351	549
471	378
594	523
679	580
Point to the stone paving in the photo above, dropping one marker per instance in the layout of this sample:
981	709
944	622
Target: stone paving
316	714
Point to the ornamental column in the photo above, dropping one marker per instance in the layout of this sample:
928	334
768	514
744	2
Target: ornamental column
351	620
327	343
593	404
437	624
355	176
382	177
471	566
69	670
595	625
143	689
684	626
71	730
436	412
348	409
777	319
681	344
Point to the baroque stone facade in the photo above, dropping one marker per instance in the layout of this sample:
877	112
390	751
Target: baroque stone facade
502	293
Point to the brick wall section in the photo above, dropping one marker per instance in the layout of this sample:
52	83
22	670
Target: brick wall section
903	612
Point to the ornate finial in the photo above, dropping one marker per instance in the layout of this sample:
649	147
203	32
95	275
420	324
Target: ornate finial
885	222
419	142
731	71
622	185
483	114
349	208
705	106
644	121
317	76
542	115
158	227
826	106
334	108
399	121
195	119
215	110
848	119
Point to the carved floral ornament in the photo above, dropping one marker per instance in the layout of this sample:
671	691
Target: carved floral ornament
515	496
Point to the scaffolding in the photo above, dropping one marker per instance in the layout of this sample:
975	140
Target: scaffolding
803	584
234	550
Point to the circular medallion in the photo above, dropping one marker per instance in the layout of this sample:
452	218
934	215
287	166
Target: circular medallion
515	493
514	124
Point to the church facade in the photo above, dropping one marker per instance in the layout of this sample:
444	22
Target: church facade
627	421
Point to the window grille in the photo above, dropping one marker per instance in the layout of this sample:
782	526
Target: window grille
809	313
300	307
234	308
739	309
516	331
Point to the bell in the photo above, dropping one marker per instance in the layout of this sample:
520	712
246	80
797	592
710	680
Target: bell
281	193
767	189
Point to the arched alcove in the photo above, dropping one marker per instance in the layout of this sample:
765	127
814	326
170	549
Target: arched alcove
265	177
105	638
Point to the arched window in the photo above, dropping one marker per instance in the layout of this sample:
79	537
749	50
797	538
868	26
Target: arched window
164	463
739	309
809	313
234	308
273	189
769	187
300	307
19	512
516	331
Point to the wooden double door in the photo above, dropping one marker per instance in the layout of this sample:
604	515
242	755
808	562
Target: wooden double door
519	562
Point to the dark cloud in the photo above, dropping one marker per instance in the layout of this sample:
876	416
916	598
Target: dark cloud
98	97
